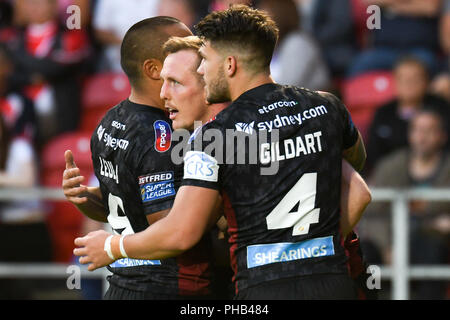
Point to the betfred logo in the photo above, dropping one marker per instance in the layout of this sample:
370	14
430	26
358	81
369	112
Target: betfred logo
163	135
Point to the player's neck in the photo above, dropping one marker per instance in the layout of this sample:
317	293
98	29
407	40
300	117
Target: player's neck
248	82
213	110
146	99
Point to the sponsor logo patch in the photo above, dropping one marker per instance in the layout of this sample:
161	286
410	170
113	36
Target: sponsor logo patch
262	254
156	186
201	166
245	127
163	135
127	262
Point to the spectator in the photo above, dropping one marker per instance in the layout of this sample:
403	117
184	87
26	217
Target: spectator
425	163
444	34
388	131
16	109
112	19
441	83
332	26
23	232
408	27
297	60
440	86
48	61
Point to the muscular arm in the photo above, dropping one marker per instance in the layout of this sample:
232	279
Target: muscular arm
355	197
176	233
191	215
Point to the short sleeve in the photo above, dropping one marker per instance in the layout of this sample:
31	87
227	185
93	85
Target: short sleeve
201	167
350	132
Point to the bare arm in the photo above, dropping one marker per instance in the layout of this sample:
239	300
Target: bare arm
355	197
165	238
88	200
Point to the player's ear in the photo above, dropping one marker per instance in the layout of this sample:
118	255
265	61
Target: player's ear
230	66
151	68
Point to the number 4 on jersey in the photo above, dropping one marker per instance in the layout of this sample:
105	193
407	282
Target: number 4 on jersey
120	224
302	194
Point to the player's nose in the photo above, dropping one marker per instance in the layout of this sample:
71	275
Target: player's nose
200	68
164	91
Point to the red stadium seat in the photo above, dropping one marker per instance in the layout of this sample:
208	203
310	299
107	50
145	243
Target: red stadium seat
64	220
364	94
100	93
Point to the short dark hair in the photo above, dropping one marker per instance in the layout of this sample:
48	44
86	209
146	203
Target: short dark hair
412	60
241	28
144	40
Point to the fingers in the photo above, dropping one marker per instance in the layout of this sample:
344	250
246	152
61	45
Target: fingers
92	267
80	251
71	173
72	188
74	182
81	241
70	163
77	200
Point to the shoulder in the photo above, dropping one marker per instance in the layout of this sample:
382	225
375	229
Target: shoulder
331	100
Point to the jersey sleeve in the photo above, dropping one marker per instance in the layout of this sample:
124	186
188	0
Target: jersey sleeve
350	132
158	178
201	167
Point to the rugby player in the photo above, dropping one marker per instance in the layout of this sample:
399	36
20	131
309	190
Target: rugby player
183	93
285	235
131	150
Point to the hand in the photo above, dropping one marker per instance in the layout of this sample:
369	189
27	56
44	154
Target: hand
92	250
71	182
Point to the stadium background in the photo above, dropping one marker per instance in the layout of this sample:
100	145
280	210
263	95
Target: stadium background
56	81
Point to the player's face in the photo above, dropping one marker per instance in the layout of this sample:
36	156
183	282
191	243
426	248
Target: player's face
183	89
426	136
212	70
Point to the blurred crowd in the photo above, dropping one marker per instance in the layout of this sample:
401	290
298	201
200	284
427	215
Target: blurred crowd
49	50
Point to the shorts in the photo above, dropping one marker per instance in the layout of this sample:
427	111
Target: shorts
313	287
115	292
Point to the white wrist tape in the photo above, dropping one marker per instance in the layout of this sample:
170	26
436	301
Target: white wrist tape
107	247
121	247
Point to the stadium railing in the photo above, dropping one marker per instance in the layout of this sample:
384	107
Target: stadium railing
400	272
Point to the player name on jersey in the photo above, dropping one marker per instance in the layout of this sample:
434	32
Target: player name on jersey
108	170
293	148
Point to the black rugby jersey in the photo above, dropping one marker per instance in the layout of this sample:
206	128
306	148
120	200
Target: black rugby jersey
282	200
131	155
